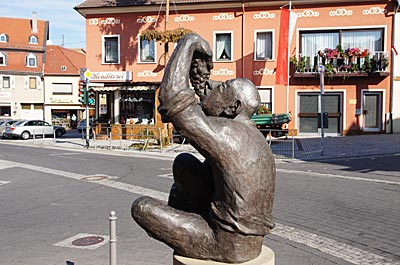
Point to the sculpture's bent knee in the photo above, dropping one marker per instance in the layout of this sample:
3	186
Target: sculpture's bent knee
141	207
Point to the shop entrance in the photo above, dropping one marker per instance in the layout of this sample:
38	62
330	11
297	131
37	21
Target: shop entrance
105	107
372	111
308	113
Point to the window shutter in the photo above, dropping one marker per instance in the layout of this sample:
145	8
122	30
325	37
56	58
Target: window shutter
38	83
26	82
12	82
1	81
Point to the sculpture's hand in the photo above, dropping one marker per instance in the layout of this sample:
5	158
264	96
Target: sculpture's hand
176	76
175	89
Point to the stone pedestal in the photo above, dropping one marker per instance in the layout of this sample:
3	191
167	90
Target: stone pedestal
267	257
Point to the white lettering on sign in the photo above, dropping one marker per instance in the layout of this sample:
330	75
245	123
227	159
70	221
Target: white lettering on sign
111	76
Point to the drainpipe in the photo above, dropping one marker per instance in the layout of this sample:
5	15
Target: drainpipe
243	31
392	68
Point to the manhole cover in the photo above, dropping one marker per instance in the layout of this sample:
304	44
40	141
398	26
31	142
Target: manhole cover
94	178
88	241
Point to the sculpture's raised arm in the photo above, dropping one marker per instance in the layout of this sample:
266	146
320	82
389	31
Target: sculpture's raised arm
175	93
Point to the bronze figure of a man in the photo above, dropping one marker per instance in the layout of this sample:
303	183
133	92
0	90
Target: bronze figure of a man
221	208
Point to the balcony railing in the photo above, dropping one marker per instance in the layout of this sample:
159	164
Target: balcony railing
375	64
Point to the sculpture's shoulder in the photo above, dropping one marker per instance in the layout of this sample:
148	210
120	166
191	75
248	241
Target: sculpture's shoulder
239	135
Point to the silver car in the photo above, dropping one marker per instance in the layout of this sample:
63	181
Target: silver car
4	124
32	128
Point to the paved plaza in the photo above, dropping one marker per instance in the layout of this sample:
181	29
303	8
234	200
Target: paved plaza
310	229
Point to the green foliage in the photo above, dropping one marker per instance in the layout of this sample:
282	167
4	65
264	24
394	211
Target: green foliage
263	110
367	66
165	36
299	64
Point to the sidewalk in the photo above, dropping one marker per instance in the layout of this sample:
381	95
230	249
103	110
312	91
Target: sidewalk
305	148
339	147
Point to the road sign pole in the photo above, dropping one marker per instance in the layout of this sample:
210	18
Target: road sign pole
87	113
321	70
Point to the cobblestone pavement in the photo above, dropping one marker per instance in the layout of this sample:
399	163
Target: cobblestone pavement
307	148
341	237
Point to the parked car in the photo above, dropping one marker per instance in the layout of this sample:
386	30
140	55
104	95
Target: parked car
82	125
3	125
26	129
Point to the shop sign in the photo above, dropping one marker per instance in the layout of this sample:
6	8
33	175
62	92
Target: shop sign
5	94
111	76
60	100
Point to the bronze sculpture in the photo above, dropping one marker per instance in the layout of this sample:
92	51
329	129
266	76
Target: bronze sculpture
219	209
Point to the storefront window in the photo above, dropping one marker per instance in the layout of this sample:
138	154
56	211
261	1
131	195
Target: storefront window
137	107
5	111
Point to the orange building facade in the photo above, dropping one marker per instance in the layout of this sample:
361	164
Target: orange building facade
245	38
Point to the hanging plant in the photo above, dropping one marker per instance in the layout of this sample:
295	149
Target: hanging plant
173	35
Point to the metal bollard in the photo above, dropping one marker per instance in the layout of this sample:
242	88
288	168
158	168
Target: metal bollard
292	145
113	238
110	140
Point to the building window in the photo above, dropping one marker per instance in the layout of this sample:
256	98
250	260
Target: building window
3	37
266	98
33	40
3	59
32	82
6	82
263	45
223	46
111	51
5	110
137	107
38	106
31	60
147	50
62	89
314	41
63	68
25	106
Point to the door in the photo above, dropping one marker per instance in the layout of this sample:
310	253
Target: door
308	113
372	111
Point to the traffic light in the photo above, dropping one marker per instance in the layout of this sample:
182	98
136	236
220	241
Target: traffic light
82	92
91	96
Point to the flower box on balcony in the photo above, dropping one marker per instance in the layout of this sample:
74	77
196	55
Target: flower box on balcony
354	62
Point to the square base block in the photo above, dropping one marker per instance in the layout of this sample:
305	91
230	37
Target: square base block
266	257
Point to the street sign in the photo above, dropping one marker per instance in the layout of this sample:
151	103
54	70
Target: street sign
88	74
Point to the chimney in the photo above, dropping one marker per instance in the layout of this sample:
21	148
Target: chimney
34	22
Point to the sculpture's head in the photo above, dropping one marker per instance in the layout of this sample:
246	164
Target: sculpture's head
234	98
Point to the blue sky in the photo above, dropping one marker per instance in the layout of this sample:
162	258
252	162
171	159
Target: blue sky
65	23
